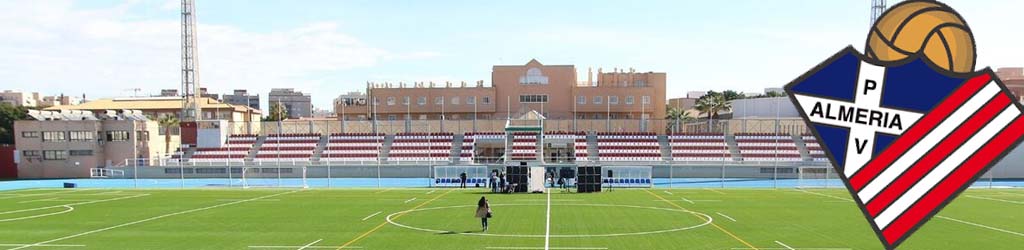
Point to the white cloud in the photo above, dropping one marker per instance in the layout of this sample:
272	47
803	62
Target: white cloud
55	47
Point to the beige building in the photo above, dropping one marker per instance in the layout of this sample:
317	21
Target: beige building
162	106
1014	80
552	90
19	99
69	148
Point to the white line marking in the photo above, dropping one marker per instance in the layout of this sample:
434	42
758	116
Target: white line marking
310	244
726	216
563	248
72	204
546	200
667	192
67	210
432	191
825	195
410	200
994	199
41	194
310	247
242	199
715	191
44	245
547	225
372	215
983	226
805	248
46	199
687	200
150	219
784	245
1014	194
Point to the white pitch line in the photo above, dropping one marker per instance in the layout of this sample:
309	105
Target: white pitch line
46	199
310	247
715	191
667	192
72	204
547	225
994	199
372	215
41	194
825	195
432	191
784	245
541	248
410	200
150	219
687	200
726	216
45	245
310	244
983	226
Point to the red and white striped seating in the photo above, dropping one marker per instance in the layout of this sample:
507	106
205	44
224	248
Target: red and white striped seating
353	147
421	147
628	147
814	148
288	147
699	147
767	147
235	150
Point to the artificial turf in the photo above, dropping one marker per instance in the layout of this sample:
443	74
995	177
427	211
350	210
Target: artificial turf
443	219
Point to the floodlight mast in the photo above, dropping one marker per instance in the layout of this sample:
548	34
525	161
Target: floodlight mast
190	110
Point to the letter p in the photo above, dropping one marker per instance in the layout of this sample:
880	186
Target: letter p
869	85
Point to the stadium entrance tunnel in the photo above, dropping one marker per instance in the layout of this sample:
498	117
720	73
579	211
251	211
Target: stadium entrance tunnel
567	220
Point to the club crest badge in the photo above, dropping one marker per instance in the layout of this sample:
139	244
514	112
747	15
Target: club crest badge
909	124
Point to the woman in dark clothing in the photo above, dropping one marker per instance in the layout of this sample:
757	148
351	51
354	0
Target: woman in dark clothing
483	211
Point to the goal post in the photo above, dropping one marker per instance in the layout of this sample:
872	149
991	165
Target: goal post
105	173
816	177
273	177
449	176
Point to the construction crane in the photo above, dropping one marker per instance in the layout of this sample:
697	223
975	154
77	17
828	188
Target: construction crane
190	109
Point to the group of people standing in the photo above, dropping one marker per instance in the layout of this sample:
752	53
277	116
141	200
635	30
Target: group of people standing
498	182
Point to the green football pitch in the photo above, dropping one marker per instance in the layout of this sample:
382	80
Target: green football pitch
728	219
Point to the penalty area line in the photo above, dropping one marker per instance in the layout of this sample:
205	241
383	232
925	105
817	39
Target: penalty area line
148	219
982	226
726	216
541	248
784	245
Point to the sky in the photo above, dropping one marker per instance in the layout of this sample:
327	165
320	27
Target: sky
326	48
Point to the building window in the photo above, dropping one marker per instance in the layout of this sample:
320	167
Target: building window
598	99
30	153
486	100
439	100
391	100
581	99
455	100
613	99
81	152
54	136
30	134
142	135
405	100
533	76
471	100
82	136
55	155
422	100
533	98
376	101
647	99
629	100
641	83
392	117
119	135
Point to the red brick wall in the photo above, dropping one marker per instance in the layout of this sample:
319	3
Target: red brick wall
8	169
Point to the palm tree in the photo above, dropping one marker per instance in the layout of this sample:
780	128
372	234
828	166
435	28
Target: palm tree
711	105
677	116
168	122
